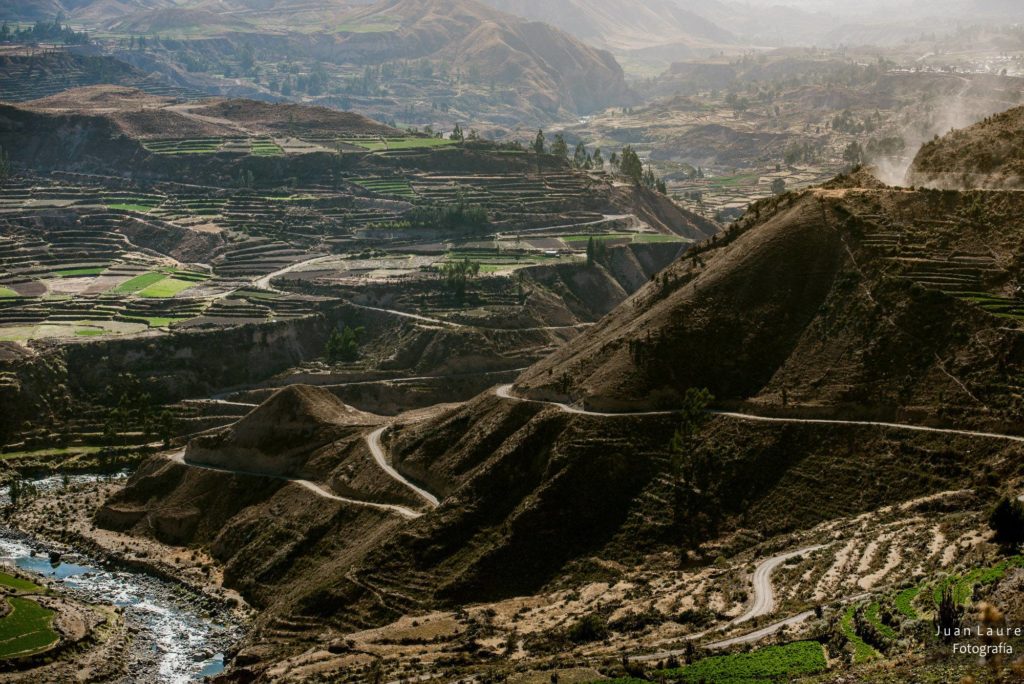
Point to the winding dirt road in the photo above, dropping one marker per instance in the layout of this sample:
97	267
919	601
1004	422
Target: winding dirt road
763	604
377	449
505	392
407	513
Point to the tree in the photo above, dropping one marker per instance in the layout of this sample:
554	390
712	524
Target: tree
559	148
457	275
5	165
614	161
778	186
631	166
597	252
539	143
949	615
579	157
457	134
1007	521
343	344
598	159
166	427
854	153
693	474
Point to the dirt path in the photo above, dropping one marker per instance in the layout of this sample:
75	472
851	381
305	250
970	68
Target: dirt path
407	513
505	392
377	449
263	283
763	604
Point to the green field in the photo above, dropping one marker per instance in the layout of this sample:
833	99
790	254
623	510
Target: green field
7	292
873	616
862	652
264	147
139	282
166	287
404	143
18	584
26	630
768	664
387	186
904	602
963	586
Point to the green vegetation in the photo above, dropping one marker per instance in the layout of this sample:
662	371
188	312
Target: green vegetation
1007	521
963	586
457	275
265	147
139	208
343	345
139	282
167	287
772	663
387	186
89	332
862	652
42	453
904	602
7	292
404	143
186	146
18	584
873	616
26	629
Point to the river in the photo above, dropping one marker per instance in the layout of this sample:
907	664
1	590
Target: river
175	640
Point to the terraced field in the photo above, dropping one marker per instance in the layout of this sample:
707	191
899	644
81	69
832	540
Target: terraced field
27	629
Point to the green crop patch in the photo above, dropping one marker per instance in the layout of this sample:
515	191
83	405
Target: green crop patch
7	292
265	148
139	282
769	664
18	584
167	287
963	586
904	602
862	651
387	186
26	630
874	617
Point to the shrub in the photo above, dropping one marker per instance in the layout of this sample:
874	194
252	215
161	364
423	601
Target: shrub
1007	521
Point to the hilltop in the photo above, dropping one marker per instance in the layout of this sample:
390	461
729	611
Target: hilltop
989	154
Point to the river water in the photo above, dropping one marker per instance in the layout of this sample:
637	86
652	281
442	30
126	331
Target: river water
175	640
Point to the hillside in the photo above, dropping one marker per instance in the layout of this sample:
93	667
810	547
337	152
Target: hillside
618	26
548	68
855	329
989	154
826	310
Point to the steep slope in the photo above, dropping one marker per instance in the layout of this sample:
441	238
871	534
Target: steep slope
621	26
846	304
837	301
989	154
547	67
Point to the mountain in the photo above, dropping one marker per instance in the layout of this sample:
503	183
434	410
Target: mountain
622	26
547	68
818	313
